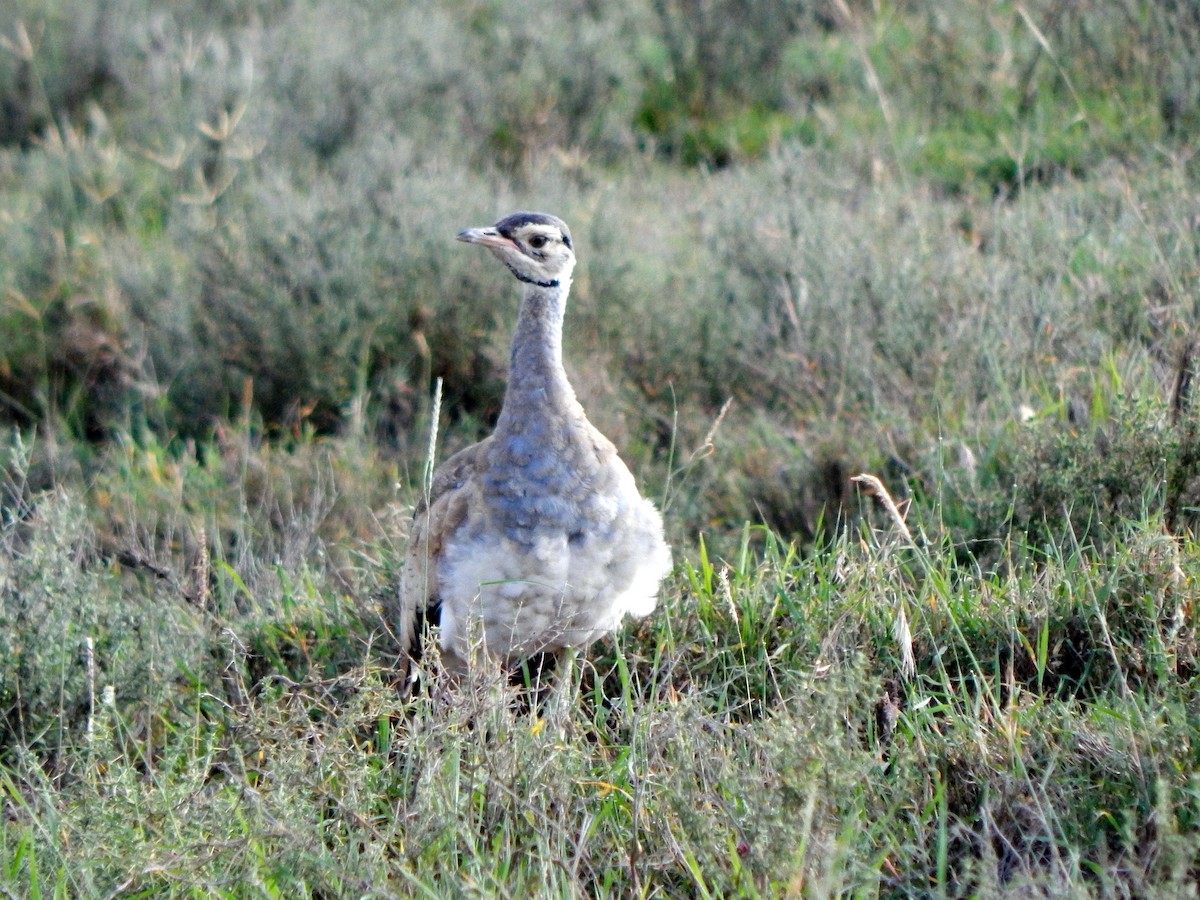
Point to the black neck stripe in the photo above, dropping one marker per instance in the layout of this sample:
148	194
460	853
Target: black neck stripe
528	280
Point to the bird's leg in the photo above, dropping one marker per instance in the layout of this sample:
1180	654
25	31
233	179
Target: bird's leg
456	667
561	702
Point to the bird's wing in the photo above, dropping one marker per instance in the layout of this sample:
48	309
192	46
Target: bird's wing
455	483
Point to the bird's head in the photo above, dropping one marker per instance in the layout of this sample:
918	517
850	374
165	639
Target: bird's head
536	247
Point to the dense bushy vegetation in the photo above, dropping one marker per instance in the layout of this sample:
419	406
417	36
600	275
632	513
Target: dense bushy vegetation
952	244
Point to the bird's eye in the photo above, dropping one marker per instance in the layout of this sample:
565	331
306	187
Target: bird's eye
538	241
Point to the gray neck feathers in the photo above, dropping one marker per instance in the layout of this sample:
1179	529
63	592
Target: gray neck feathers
537	464
537	382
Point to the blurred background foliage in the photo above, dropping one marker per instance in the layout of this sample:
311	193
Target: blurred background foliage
218	213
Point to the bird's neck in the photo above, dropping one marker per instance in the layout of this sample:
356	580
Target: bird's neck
537	382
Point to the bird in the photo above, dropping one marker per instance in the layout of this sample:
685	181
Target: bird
534	542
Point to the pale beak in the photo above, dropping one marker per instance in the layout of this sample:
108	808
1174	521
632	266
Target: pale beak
489	237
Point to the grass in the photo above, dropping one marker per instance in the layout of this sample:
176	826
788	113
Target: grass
736	743
953	247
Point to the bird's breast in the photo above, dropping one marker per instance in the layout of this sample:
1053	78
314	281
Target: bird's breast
544	483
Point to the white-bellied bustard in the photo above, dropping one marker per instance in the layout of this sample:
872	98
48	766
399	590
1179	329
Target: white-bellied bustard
535	540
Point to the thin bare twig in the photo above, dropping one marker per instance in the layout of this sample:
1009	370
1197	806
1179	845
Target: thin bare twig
901	630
